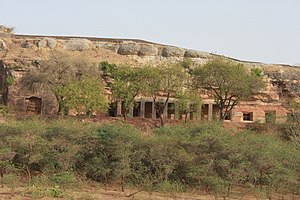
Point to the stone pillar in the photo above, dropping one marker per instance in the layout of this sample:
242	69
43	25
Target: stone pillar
153	111
199	113
142	111
210	112
165	114
176	114
119	109
131	112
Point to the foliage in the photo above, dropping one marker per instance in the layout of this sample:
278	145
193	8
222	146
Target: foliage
9	80
85	95
173	159
107	68
188	102
167	79
57	72
106	156
7	30
186	63
291	129
127	83
3	110
228	82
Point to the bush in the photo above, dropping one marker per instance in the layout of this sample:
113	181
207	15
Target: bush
173	159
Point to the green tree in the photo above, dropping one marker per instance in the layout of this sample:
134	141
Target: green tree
58	71
127	82
107	155
291	129
228	82
188	102
85	95
165	80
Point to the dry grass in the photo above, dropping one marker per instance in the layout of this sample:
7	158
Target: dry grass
91	192
15	53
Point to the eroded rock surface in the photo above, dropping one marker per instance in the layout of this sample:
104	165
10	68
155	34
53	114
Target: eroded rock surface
47	42
2	45
109	46
129	49
77	44
195	54
169	51
148	50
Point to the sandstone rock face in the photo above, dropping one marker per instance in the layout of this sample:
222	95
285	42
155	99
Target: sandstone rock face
148	50
195	54
18	96
77	44
47	42
169	51
109	46
283	82
51	43
286	79
26	44
2	45
42	43
129	49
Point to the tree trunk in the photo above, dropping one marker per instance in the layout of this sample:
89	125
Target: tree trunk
125	117
1	175
161	120
106	181
125	112
60	105
228	190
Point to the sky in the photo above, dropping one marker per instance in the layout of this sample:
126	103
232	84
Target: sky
253	30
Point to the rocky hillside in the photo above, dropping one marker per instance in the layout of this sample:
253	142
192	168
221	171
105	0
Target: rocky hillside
19	52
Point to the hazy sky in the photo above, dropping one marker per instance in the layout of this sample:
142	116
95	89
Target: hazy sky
256	30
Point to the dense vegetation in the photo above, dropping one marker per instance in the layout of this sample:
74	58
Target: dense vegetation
205	157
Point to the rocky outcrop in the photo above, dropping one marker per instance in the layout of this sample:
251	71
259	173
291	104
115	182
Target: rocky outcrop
169	51
2	45
109	46
195	54
47	42
77	44
27	51
148	50
26	44
129	49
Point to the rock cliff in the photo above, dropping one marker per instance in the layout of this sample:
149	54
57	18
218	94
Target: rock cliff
21	52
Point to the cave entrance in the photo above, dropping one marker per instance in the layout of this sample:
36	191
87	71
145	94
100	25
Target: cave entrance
33	105
148	109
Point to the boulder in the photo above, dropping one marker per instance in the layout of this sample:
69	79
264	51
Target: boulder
148	50
77	44
2	45
47	42
129	49
172	52
195	54
25	44
109	46
42	43
51	42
